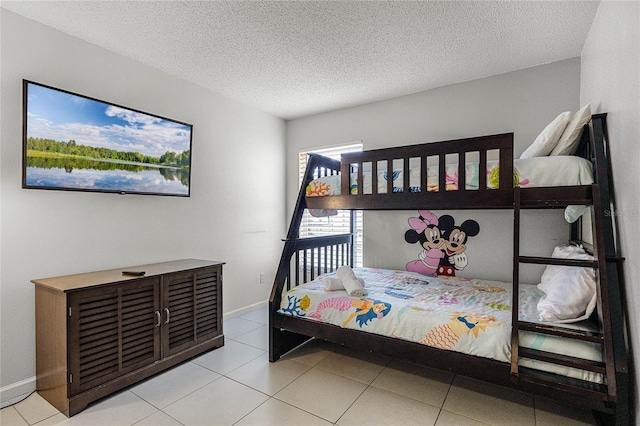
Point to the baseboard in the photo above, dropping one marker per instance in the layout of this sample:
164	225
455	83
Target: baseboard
15	390
246	309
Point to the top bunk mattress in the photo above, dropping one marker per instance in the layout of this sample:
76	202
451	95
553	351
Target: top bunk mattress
528	173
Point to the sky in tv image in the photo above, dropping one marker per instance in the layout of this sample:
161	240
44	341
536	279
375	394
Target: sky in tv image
61	116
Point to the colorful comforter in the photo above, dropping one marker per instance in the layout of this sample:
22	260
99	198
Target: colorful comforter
464	315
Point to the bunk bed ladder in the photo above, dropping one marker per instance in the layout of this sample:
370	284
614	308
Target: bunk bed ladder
519	352
613	391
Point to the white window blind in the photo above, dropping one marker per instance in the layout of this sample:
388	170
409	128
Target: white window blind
331	225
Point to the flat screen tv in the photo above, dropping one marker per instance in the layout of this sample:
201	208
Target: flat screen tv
77	143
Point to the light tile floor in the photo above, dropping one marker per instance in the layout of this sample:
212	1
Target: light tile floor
317	384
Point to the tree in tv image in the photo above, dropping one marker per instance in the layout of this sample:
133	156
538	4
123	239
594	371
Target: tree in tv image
79	143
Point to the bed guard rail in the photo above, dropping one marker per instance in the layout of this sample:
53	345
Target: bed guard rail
430	176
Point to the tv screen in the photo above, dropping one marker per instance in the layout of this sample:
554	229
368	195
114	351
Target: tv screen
73	142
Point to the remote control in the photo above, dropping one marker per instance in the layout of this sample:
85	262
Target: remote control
135	273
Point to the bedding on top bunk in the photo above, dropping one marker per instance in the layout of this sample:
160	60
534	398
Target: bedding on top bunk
465	315
530	172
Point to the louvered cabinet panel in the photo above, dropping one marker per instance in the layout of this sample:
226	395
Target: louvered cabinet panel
192	306
112	330
208	303
93	338
179	300
140	325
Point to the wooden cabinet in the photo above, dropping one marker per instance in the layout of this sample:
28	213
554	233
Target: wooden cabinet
99	332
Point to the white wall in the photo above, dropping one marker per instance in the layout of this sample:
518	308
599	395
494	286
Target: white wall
610	81
232	215
523	102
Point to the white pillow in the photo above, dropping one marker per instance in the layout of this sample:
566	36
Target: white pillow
570	291
571	136
548	138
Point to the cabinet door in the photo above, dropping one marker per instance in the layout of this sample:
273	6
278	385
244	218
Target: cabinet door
192	308
113	330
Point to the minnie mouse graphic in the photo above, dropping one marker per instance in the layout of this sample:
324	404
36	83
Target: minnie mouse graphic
424	229
444	243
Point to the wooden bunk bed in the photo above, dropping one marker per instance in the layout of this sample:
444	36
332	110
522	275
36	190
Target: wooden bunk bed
303	259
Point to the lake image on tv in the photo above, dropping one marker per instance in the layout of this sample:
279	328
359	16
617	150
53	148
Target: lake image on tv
74	142
107	176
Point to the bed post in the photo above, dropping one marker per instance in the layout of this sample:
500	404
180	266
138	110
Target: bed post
602	168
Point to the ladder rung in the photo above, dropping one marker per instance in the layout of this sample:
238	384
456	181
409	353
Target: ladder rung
557	261
563	383
588	336
567	361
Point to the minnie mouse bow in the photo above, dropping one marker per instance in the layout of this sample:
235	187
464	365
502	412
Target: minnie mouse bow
419	224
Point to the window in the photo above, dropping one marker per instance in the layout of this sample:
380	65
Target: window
331	225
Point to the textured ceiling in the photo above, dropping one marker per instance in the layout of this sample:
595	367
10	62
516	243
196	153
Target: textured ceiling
296	58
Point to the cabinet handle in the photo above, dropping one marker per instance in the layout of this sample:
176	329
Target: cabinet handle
159	318
168	315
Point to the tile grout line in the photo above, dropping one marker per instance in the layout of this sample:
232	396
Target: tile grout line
270	397
363	391
181	398
445	399
19	413
160	410
351	405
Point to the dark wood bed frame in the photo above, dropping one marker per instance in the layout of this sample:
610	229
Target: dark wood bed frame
305	258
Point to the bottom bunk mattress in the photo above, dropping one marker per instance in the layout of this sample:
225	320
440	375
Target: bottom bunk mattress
465	315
